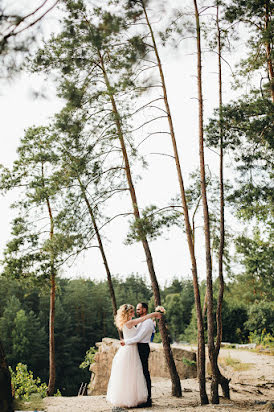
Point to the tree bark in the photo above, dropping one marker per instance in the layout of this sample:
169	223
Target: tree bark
224	382
52	366
6	400
176	384
210	322
101	247
190	240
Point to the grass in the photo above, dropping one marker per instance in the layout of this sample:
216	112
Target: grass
36	402
188	362
235	363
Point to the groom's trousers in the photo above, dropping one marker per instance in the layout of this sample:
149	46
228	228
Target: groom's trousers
144	351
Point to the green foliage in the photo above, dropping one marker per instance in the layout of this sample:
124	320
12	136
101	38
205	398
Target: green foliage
23	336
261	318
256	17
188	362
257	255
234	316
262	339
178	306
152	224
89	358
133	289
34	252
247	132
24	384
157	338
190	332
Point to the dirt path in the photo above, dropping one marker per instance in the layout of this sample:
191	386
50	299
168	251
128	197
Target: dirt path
252	389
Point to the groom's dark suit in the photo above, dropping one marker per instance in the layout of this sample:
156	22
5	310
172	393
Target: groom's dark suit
144	351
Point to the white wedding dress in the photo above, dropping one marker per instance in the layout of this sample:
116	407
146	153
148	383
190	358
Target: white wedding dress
127	385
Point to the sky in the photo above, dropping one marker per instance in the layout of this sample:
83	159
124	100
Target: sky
20	110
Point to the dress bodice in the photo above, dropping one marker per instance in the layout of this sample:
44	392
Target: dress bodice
129	333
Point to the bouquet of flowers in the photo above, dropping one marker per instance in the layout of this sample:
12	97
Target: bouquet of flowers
160	309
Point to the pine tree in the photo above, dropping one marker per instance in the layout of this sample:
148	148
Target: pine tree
37	249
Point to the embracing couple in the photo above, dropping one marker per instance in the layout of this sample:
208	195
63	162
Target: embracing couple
129	384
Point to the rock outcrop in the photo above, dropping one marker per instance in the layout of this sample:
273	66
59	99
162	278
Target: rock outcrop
185	363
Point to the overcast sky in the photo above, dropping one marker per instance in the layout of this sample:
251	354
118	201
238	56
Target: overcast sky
20	110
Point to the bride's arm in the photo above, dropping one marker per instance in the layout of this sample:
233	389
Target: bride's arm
133	322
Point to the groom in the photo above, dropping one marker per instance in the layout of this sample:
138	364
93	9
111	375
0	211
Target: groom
142	338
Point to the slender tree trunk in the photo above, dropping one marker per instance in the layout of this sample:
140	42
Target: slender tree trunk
268	50
190	240
176	384
210	322
101	247
52	366
221	379
6	401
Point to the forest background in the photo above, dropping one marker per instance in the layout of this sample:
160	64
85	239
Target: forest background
83	307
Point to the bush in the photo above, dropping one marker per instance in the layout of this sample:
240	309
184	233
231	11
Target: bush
264	339
261	318
89	358
24	384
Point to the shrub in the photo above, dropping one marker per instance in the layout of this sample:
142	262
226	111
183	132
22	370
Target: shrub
261	317
24	384
89	358
264	339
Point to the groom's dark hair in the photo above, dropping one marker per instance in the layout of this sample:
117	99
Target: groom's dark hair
144	305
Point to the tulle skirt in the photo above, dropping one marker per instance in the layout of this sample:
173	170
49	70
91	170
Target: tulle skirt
127	385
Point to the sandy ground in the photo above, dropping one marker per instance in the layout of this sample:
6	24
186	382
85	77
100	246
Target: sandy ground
251	390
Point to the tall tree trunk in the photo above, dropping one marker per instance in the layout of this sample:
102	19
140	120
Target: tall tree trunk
210	322
52	366
6	401
268	49
101	247
176	384
221	379
190	240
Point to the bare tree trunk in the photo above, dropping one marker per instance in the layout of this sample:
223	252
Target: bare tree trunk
210	322
52	366
176	384
221	379
52	371
268	50
6	401
101	247
190	240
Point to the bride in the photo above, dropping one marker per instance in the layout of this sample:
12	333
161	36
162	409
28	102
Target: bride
127	385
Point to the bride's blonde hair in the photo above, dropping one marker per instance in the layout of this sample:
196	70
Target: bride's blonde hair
123	315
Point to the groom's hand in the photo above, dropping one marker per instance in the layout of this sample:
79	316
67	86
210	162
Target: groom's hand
122	342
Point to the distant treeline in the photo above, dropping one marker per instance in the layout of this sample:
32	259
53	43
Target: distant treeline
84	316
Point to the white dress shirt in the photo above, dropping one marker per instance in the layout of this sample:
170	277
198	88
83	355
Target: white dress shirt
144	332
